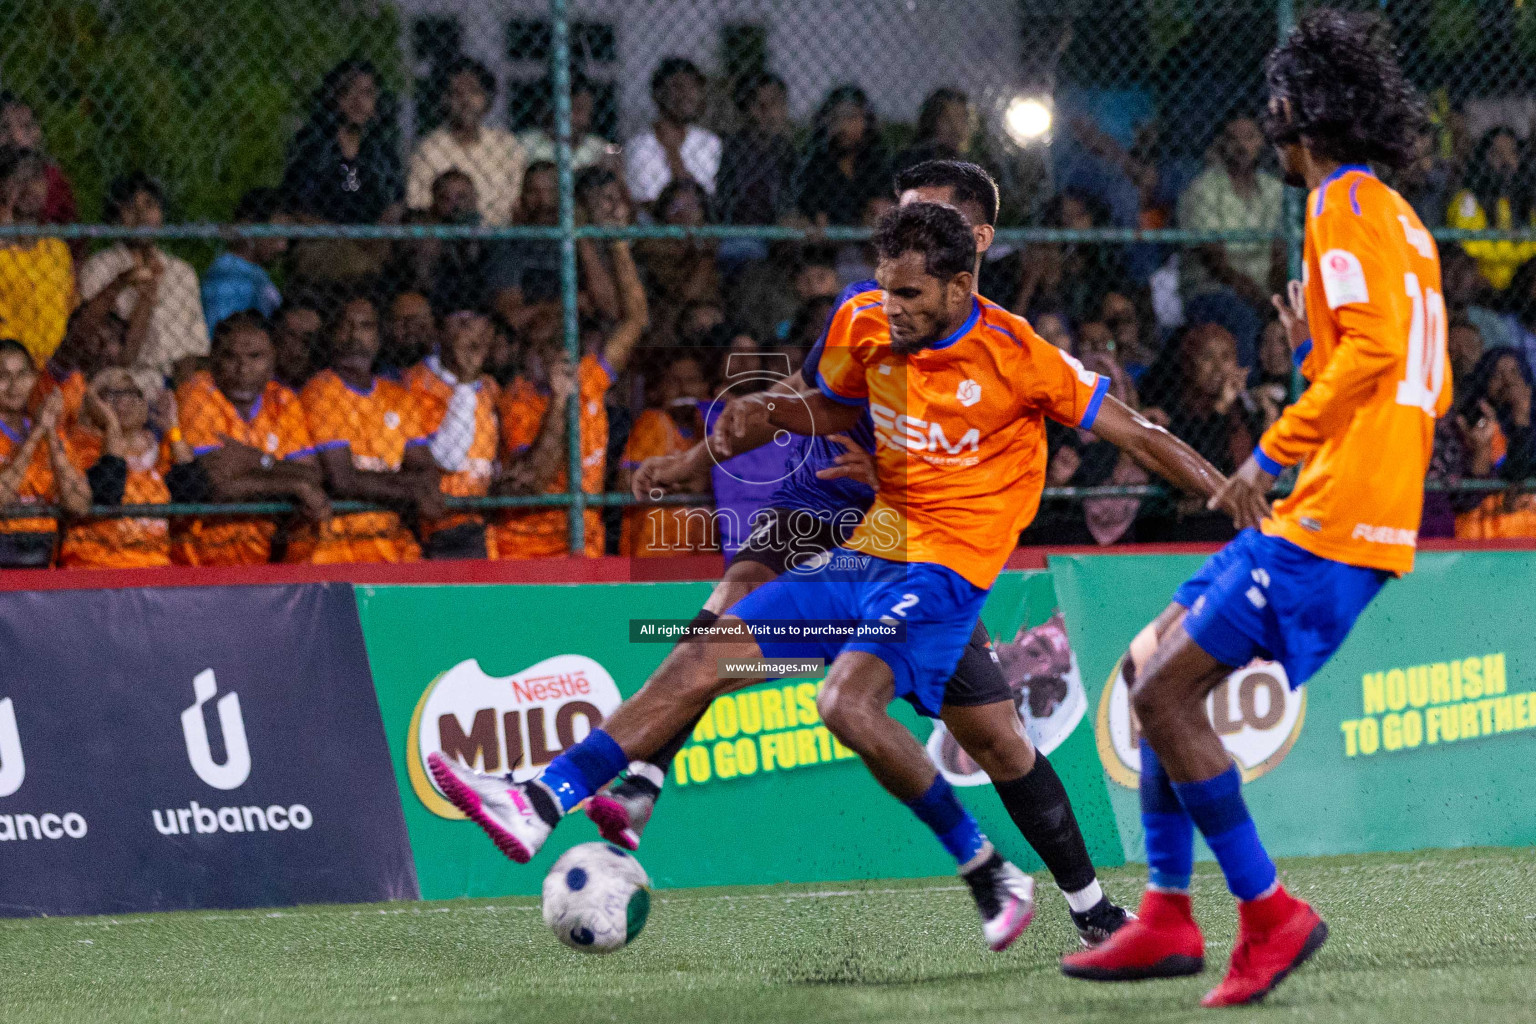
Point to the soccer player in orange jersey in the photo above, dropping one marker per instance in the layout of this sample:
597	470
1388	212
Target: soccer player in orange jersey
534	416
251	442
457	404
373	446
958	390
126	464
1375	357
35	464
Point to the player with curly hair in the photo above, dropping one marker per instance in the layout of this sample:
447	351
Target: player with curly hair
1370	336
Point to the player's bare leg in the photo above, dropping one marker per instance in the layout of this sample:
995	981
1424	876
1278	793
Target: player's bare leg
520	816
854	703
622	811
1188	781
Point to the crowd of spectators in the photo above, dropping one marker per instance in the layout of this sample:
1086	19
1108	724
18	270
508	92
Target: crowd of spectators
403	373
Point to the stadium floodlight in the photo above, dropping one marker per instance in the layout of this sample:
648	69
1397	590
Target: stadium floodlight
1027	119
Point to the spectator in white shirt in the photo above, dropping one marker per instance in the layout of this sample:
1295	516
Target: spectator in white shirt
177	337
587	147
493	158
675	147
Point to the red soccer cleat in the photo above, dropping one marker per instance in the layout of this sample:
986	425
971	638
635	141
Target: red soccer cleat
1275	935
1163	942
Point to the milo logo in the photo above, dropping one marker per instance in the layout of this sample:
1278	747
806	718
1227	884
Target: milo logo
516	723
1254	711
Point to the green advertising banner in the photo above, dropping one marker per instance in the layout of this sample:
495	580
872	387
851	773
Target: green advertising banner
507	676
1418	732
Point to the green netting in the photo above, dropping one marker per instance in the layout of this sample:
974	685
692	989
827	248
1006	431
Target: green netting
377	167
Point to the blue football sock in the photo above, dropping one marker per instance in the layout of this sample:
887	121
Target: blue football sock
1169	832
940	810
1217	808
584	769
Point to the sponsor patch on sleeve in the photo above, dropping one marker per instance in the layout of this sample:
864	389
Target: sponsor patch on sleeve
1343	278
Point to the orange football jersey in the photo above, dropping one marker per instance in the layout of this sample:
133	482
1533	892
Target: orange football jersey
120	542
432	395
663	530
376	426
1379	379
73	385
276	427
959	428
542	533
37	486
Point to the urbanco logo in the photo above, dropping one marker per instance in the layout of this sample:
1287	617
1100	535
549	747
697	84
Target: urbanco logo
237	754
13	769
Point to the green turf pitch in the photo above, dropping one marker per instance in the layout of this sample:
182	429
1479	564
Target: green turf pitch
1443	936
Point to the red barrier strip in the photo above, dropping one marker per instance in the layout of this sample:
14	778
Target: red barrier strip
541	570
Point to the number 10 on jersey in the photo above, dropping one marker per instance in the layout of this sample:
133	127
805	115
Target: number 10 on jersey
1426	348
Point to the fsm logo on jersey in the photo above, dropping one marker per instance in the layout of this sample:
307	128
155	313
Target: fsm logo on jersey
517	723
1254	711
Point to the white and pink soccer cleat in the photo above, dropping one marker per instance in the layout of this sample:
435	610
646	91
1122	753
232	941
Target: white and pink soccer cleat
499	806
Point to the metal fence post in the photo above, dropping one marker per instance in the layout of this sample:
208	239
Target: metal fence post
560	79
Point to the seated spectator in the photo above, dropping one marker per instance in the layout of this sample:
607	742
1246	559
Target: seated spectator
673	424
37	275
1135	348
296	338
1426	182
93	342
1055	327
1272	393
19	129
176	337
1456	437
450	272
698	324
237	279
1517	328
252	444
458	409
1496	425
856	261
846	164
1468	294
601	201
1498	195
945	123
35	464
758	162
535	418
1223	283
410	335
491	158
520	267
1070	276
373	446
680	270
1464	346
588	149
675	148
344	168
126	464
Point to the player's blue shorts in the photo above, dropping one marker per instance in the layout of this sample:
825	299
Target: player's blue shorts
938	606
1262	596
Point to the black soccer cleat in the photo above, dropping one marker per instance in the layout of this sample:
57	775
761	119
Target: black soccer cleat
1096	924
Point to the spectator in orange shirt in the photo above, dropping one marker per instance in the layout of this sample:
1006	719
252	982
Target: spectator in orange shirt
373	447
126	464
673	426
458	405
534	420
252	444
35	468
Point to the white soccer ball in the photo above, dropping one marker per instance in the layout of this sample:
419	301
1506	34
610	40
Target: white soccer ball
596	898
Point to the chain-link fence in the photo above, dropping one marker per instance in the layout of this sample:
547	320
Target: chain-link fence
318	282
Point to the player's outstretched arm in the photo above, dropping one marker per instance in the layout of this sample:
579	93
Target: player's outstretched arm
1158	451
